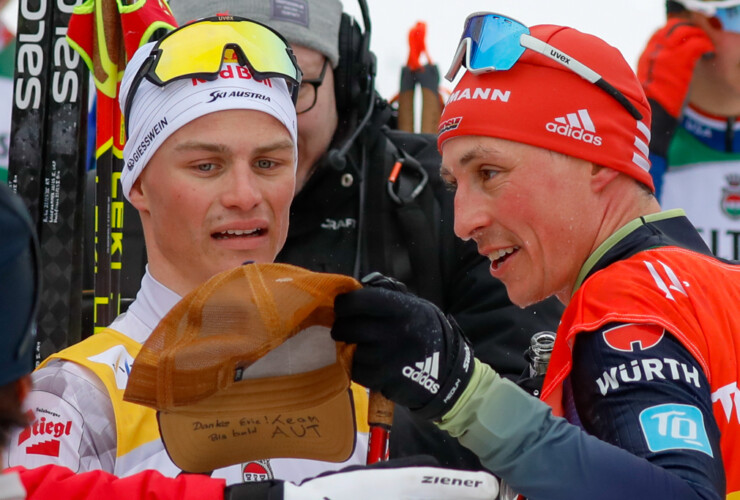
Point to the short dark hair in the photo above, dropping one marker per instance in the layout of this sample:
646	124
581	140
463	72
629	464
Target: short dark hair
11	412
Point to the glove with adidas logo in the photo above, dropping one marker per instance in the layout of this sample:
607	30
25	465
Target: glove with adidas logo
406	348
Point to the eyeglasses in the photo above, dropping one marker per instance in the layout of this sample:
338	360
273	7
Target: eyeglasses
309	90
492	42
727	12
198	49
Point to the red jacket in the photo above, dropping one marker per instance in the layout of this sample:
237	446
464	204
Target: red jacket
60	483
693	296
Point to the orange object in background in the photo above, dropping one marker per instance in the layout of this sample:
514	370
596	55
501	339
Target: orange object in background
427	77
417	46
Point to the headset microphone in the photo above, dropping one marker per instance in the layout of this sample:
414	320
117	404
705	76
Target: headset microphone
337	156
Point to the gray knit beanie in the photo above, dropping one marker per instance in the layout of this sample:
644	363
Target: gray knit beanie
311	23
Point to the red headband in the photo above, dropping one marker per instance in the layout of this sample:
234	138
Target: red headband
541	103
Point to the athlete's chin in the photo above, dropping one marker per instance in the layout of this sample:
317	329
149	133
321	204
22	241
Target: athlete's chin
523	302
522	294
225	260
256	256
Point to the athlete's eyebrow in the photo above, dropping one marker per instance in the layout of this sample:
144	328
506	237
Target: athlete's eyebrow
469	156
215	147
477	152
275	146
202	146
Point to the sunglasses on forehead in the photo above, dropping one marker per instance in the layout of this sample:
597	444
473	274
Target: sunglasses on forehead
492	42
727	12
198	49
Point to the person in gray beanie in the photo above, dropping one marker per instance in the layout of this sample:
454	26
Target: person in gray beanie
313	24
348	218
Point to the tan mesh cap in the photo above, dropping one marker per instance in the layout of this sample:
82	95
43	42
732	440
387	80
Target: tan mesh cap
244	368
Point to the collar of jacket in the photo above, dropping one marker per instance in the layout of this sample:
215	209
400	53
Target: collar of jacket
668	228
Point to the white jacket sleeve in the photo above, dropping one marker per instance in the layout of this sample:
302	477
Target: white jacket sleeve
72	422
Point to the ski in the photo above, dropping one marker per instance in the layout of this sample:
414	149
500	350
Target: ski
25	157
108	219
108	60
47	164
93	22
61	230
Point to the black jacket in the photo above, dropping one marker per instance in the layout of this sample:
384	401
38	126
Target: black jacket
414	242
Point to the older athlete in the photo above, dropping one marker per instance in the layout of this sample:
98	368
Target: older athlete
545	140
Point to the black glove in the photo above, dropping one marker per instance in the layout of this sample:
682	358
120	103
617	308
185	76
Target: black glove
406	348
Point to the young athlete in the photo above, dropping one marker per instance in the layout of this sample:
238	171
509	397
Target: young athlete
210	165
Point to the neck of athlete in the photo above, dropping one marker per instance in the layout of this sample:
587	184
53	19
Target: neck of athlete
618	202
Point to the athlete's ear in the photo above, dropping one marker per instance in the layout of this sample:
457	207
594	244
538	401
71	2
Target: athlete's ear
137	196
601	177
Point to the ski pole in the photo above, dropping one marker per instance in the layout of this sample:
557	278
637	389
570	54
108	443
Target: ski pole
107	62
380	419
431	101
91	23
427	76
417	46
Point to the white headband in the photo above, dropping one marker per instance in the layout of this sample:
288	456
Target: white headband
157	112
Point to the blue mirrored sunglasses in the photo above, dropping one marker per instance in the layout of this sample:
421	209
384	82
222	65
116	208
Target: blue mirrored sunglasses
727	12
492	42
